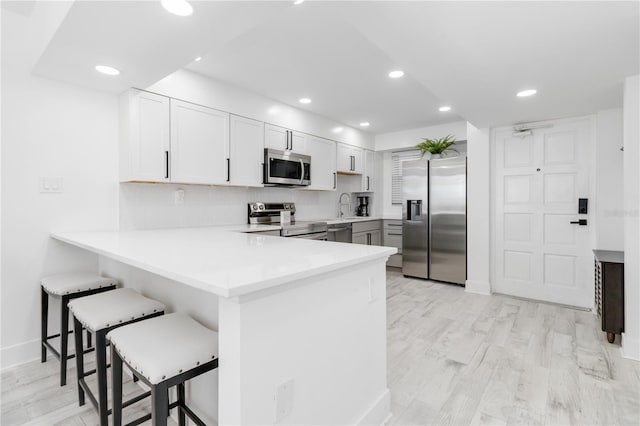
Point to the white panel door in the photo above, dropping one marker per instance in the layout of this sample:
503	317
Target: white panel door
246	151
149	137
539	253
323	163
199	144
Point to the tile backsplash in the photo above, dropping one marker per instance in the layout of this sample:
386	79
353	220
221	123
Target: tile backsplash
148	206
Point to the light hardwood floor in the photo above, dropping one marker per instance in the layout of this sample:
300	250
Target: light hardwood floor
454	359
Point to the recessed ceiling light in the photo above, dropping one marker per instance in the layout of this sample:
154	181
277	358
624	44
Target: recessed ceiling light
525	93
445	108
365	124
396	74
198	59
104	69
337	129
297	2
177	7
305	101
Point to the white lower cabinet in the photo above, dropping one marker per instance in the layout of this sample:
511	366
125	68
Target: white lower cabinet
367	233
393	238
246	151
323	163
199	144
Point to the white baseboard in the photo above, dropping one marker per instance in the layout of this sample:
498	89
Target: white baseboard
478	287
21	353
379	412
630	348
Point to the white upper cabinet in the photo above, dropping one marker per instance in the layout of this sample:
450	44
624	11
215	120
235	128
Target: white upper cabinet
350	159
369	170
282	139
199	144
144	138
246	151
323	163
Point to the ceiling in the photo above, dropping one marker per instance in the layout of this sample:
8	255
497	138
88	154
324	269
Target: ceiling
473	56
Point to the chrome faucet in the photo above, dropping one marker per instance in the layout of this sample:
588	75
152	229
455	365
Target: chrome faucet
340	204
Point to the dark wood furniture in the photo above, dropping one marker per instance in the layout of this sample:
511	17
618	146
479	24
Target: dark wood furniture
609	291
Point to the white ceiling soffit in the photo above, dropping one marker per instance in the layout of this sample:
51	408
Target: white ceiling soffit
477	55
141	39
473	56
310	51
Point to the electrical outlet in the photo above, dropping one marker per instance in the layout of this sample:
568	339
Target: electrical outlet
178	197
284	400
51	185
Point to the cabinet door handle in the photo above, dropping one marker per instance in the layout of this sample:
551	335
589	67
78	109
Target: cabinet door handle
335	180
367	183
166	164
394	233
228	169
291	139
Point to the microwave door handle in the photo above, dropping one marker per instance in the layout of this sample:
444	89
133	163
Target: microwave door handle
302	175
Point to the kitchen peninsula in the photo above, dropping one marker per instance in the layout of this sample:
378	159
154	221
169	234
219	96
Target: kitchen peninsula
302	324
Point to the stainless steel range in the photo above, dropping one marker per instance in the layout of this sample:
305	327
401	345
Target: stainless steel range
269	214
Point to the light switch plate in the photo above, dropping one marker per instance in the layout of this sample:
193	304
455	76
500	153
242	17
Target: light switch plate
51	185
284	400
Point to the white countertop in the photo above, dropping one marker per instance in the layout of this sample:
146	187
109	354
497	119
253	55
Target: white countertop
223	260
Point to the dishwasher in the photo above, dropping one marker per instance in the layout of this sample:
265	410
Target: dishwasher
340	233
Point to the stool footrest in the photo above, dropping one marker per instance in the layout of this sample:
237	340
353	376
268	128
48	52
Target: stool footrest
136	399
139	420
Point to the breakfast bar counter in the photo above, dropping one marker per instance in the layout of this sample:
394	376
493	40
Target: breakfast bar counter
301	323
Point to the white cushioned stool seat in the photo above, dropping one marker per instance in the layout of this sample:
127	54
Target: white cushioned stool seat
111	308
75	282
163	347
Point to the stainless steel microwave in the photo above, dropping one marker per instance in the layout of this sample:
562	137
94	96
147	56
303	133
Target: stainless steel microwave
286	168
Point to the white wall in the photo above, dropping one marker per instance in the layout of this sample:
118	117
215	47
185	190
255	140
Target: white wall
631	137
609	202
49	129
410	138
406	139
193	87
478	210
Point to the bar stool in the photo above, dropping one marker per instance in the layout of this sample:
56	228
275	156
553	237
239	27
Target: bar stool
99	314
163	352
66	287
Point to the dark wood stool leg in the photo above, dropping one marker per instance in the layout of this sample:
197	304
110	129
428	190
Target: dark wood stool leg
101	371
89	343
77	334
64	339
44	320
116	380
159	404
181	405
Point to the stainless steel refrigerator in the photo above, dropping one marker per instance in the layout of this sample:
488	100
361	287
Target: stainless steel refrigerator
434	219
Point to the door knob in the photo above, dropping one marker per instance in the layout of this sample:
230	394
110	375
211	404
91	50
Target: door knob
581	222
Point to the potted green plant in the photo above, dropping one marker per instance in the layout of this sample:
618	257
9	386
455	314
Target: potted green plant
438	147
